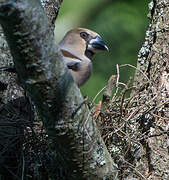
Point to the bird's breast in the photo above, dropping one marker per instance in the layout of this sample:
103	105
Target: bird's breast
83	73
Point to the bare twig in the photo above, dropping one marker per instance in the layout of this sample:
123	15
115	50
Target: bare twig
108	92
154	135
98	94
123	65
117	82
133	167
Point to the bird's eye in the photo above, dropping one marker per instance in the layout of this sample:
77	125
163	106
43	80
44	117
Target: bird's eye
84	35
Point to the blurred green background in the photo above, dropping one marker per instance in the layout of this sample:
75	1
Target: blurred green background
121	24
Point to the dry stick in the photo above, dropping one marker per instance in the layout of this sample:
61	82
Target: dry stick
148	80
130	100
84	125
148	110
122	101
123	65
125	85
141	107
120	129
128	144
133	167
164	118
135	96
154	135
98	94
117	82
108	92
116	131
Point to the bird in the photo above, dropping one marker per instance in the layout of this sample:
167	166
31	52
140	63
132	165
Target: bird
78	46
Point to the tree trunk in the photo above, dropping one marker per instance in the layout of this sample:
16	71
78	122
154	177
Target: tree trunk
152	80
72	133
136	131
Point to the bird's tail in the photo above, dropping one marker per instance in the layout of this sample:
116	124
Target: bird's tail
11	69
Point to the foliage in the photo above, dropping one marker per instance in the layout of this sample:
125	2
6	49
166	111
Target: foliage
121	24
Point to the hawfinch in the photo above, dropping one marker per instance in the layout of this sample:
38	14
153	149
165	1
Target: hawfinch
77	47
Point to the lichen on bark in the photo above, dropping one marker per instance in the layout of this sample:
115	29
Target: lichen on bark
153	61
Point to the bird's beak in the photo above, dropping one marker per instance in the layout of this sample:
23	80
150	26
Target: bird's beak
97	44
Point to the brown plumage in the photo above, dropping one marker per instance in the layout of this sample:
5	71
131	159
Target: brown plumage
78	46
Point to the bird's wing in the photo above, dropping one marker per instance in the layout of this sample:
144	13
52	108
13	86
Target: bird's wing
71	60
75	66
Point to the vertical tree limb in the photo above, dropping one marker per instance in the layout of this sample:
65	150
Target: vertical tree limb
50	85
51	8
153	61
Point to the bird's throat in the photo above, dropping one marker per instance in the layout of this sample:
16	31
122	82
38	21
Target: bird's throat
89	54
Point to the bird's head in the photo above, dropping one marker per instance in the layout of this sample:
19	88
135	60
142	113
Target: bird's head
82	42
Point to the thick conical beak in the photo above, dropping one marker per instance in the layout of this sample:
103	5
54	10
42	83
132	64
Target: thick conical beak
97	44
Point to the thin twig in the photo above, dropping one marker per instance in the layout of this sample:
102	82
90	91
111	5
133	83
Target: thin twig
117	82
122	100
123	65
133	167
98	94
154	135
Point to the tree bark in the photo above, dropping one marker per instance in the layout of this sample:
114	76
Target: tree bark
51	8
137	135
71	130
135	129
152	80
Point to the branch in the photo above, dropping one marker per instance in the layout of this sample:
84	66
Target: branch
51	8
108	92
50	85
